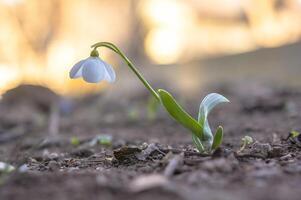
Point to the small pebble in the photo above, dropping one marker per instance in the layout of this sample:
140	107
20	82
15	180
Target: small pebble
277	151
23	168
53	165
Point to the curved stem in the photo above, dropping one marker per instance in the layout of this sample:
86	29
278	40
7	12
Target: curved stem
129	63
243	146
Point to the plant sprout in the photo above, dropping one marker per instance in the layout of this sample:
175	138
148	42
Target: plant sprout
295	137
294	134
245	141
94	70
75	141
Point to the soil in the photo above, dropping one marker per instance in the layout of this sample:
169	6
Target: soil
101	148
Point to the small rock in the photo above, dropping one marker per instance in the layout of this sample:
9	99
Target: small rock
276	151
143	155
221	152
126	153
260	149
53	165
23	168
50	156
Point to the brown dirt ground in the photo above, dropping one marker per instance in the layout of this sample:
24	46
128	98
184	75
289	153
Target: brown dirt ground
56	169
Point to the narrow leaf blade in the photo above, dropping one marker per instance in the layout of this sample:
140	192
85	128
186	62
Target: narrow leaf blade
208	103
177	112
218	138
198	143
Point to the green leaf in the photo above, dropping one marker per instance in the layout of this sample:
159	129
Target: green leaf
208	103
177	112
75	141
294	134
218	138
198	143
105	140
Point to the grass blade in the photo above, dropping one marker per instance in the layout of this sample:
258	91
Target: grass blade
218	138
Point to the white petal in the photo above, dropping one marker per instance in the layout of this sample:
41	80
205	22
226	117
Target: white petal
93	71
110	73
76	70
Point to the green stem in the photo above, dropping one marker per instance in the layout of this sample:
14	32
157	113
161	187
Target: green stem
129	63
242	147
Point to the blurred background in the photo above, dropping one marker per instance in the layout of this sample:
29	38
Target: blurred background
185	44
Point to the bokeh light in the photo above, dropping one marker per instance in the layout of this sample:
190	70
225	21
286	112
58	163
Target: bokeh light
40	40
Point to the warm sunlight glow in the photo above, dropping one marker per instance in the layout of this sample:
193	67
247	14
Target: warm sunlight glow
9	77
60	58
163	45
168	20
41	40
216	27
167	13
11	2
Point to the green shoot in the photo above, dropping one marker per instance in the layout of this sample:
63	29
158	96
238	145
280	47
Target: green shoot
295	137
218	138
74	141
206	106
245	141
294	134
102	139
105	140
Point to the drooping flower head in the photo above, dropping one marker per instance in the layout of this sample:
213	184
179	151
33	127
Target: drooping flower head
93	70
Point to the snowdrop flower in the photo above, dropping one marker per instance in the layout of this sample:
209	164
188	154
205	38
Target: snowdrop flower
93	70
